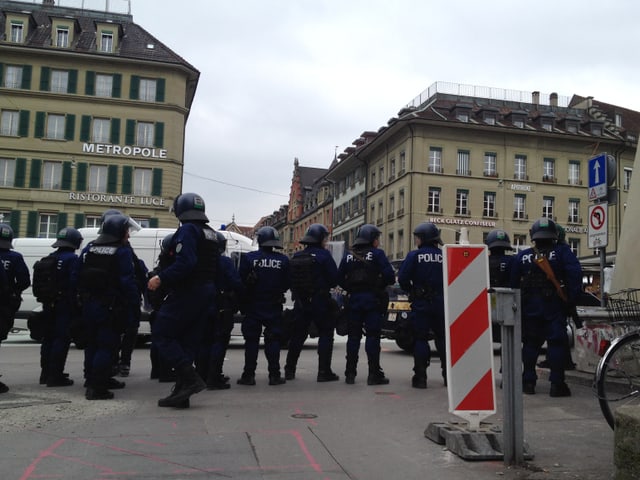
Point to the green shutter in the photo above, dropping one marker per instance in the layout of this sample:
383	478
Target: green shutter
1	75
15	222
160	88
81	176
36	172
26	77
115	131
62	220
32	224
78	220
134	89
69	127
127	177
40	119
45	76
153	223
66	176
116	91
90	83
156	184
85	128
112	178
130	133
73	81
21	173
23	124
158	140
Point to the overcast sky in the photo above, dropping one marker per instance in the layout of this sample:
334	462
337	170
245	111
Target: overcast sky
283	79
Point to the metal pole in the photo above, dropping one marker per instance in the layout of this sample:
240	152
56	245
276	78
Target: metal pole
603	262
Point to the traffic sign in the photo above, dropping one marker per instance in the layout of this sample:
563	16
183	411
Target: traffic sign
598	177
598	235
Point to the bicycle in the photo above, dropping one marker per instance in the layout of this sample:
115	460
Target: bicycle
617	377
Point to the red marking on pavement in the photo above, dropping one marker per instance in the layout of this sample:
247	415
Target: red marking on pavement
460	258
43	454
466	329
312	461
480	397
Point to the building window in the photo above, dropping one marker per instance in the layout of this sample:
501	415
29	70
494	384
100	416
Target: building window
390	247
462	202
519	207
401	202
144	134
547	207
618	120
373	180
403	163
518	121
51	175
17	32
626	181
12	76
546	124
400	244
59	81
571	126
104	85
520	167
9	121
433	205
490	164
143	222
101	130
435	160
489	118
92	222
7	172
574	173
574	245
574	211
392	207
381	177
489	205
392	169
549	170
48	226
62	37
55	127
147	90
106	42
97	178
380	212
463	163
142	181
519	241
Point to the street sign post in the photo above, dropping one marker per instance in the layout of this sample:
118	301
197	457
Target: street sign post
598	226
598	177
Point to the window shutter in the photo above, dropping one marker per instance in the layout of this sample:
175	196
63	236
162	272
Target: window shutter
62	220
45	74
73	81
160	88
81	176
40	118
21	173
130	133
112	178
117	86
69	127
85	128
26	77
15	222
36	172
156	184
90	83
23	123
127	176
66	176
134	90
153	223
78	220
32	224
115	131
1	75
158	141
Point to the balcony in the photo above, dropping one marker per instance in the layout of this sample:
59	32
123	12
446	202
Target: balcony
390	216
520	216
434	169
464	173
490	173
400	212
549	179
520	176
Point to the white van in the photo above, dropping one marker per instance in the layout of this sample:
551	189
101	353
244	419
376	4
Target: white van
146	244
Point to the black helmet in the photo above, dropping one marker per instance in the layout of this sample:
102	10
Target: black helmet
114	229
543	228
316	233
498	239
6	236
268	237
189	206
366	235
68	237
562	234
222	242
165	243
428	233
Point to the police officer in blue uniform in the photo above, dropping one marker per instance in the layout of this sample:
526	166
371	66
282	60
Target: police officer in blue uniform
364	273
108	292
265	275
500	263
17	279
60	312
318	273
421	277
544	304
179	323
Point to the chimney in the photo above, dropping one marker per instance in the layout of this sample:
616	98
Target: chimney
553	99
535	97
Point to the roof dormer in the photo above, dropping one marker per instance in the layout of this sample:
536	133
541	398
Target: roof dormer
63	32
108	35
17	27
462	111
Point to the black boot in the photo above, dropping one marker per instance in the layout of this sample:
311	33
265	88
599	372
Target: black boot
419	379
376	375
290	365
215	379
325	374
59	381
247	378
189	383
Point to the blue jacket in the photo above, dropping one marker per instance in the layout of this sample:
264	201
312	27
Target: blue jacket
326	270
16	270
272	277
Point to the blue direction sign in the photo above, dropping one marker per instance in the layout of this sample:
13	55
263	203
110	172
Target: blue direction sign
598	177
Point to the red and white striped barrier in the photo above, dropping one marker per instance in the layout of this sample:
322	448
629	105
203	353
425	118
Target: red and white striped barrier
470	375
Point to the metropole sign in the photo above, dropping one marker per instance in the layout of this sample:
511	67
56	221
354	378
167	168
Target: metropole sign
598	226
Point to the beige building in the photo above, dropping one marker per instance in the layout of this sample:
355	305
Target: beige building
93	113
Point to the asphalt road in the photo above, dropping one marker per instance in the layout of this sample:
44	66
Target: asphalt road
300	430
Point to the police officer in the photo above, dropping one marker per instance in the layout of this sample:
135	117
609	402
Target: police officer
364	273
179	323
60	312
16	280
265	275
549	279
500	263
109	294
220	324
420	276
314	273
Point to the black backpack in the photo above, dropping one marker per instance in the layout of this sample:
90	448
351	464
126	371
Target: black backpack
303	272
45	279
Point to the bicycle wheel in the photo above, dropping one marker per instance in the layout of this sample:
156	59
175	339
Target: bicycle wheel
618	375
